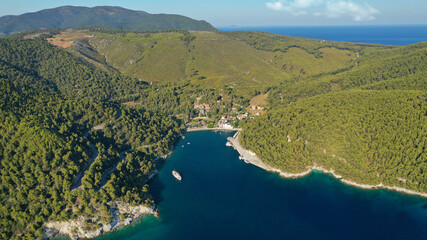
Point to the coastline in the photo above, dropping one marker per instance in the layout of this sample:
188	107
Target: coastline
208	129
255	160
74	228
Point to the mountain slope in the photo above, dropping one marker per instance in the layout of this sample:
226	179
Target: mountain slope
398	68
47	131
366	136
70	76
105	17
367	123
209	59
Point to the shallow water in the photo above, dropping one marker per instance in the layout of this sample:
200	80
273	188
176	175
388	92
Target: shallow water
221	197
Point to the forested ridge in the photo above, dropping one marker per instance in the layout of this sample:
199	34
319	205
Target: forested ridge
398	68
274	42
62	71
102	16
359	109
43	143
367	123
366	136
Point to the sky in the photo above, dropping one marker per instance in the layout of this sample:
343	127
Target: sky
224	13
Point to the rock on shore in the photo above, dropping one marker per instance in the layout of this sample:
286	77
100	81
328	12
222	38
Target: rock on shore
75	229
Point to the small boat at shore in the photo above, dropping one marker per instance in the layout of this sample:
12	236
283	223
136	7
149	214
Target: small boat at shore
176	175
241	158
228	144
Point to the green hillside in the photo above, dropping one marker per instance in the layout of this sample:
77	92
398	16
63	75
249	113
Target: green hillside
71	76
366	136
359	109
103	17
397	68
212	59
368	122
47	133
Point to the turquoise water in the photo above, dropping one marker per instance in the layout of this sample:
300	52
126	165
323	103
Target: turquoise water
221	197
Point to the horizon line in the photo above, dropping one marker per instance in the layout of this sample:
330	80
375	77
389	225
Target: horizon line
344	25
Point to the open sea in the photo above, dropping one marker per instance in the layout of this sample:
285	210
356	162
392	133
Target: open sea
221	197
385	34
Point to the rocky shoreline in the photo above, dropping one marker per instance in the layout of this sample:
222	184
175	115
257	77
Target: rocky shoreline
251	158
74	229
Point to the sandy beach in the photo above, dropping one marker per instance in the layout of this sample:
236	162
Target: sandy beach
208	129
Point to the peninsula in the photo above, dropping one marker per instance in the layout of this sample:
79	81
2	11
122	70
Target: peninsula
250	157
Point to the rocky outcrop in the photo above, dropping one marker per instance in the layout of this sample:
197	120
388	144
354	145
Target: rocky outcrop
76	229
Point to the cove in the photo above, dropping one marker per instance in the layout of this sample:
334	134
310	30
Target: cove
221	197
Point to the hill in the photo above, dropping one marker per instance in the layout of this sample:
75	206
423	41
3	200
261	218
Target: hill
209	59
85	113
103	17
367	123
369	137
67	149
66	74
396	68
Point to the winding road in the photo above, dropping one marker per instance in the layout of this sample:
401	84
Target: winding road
78	179
112	169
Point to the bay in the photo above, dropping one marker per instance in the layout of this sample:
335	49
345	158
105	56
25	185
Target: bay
221	197
378	34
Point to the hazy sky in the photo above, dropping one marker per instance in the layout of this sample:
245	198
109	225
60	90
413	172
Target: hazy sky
257	12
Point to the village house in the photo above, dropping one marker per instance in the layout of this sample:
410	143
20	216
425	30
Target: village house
207	107
242	116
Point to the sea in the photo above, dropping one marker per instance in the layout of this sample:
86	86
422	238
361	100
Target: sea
222	197
382	34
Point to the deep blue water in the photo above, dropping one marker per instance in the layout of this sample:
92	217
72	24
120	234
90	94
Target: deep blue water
388	34
221	197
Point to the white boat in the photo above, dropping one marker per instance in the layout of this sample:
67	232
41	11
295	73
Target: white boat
241	158
176	175
228	144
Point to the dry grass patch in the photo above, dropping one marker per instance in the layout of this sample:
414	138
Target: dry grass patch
67	38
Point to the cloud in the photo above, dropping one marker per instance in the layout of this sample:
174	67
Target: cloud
295	7
278	6
348	8
330	9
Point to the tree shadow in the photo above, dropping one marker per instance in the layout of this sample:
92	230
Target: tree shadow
156	185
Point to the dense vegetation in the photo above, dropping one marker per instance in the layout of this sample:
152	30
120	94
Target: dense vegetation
59	70
399	68
366	136
282	43
374	133
43	145
104	17
74	137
